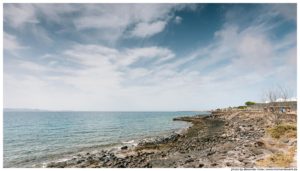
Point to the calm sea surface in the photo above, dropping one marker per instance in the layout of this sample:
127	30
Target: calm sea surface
34	138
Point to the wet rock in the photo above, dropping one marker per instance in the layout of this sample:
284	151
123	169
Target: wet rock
60	165
189	160
124	148
52	164
79	161
228	164
241	159
90	158
214	164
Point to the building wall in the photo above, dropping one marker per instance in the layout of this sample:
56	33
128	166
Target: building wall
261	106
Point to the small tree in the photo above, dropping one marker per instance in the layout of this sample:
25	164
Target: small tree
272	96
249	103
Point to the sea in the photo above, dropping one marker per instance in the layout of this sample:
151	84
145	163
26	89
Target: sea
33	139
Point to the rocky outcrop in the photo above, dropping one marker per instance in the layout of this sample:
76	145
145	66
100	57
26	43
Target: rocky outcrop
159	140
227	140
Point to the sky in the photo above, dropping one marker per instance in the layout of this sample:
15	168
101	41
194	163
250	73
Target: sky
146	57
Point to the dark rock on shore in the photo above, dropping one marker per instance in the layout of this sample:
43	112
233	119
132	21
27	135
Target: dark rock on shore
231	140
124	148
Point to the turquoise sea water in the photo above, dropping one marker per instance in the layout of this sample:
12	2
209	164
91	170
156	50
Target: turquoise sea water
33	138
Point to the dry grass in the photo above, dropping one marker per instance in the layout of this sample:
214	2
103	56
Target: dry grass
278	159
291	134
283	154
283	129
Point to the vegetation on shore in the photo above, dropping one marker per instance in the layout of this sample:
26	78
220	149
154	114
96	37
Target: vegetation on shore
279	137
242	107
249	103
279	159
283	130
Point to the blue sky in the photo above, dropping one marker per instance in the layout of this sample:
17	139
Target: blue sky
146	56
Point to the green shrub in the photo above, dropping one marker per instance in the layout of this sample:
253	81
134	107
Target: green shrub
242	107
249	103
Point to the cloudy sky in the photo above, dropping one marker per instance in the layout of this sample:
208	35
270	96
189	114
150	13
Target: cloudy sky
146	56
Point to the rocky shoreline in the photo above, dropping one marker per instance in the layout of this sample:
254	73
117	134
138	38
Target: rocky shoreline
234	139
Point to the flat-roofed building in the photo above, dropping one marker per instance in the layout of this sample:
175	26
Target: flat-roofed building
284	107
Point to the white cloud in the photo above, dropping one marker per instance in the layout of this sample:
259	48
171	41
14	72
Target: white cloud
255	50
133	55
90	54
57	13
102	82
288	11
178	20
148	19
148	29
10	43
97	77
109	83
245	49
18	15
103	22
112	21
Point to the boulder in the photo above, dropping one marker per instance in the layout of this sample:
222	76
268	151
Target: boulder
124	147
